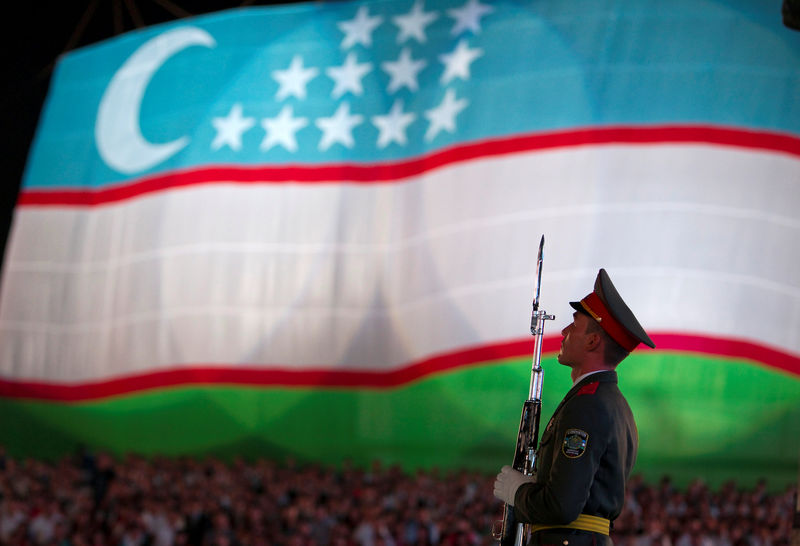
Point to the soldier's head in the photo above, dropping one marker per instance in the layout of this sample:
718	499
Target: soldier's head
603	331
585	346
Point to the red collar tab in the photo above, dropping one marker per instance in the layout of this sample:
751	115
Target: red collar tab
598	310
589	388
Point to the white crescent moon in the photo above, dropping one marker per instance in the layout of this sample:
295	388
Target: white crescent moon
117	132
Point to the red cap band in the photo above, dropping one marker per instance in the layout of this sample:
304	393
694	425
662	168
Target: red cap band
597	309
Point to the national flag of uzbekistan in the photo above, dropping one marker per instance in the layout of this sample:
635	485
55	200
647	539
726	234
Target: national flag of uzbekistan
312	230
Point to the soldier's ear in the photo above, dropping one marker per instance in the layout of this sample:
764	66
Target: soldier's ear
593	341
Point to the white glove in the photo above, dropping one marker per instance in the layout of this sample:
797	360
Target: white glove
507	483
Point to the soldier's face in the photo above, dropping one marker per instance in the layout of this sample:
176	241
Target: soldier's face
573	342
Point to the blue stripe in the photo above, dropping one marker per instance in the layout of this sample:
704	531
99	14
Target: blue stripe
544	66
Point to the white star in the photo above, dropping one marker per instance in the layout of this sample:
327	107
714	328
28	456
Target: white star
393	126
444	115
412	25
456	64
294	79
230	129
359	30
348	76
338	128
468	17
281	130
403	71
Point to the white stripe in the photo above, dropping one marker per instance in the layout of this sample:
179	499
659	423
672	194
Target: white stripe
696	238
714	213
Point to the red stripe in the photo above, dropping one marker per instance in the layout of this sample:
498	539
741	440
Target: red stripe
264	376
366	173
727	347
270	376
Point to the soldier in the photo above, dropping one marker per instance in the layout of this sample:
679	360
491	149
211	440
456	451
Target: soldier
589	446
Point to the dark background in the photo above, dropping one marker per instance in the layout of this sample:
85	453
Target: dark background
37	34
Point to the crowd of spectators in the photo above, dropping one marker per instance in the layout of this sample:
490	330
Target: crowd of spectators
99	500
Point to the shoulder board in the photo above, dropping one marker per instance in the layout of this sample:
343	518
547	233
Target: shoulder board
589	388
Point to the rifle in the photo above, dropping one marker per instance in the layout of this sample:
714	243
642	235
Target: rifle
514	533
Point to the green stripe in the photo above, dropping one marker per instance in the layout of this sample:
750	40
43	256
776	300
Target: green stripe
697	416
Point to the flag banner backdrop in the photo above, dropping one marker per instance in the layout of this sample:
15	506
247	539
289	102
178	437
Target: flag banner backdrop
311	231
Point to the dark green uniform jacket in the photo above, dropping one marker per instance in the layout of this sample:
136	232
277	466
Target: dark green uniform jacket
585	456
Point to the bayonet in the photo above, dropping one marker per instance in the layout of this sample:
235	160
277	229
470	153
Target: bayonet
538	283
